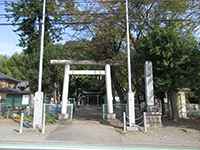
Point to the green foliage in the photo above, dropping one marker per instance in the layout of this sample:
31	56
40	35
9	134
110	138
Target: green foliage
28	118
174	5
50	118
13	66
3	59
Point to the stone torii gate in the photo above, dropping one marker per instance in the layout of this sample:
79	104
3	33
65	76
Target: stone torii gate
68	72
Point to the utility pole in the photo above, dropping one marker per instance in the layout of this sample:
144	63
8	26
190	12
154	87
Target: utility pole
38	99
131	94
42	47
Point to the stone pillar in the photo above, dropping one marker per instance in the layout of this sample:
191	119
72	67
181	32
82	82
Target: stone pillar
110	114
131	108
149	91
181	104
38	108
65	92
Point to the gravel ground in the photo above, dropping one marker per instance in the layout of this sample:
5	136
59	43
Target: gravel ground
186	133
9	131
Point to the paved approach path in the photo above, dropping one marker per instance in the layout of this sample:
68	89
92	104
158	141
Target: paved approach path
86	132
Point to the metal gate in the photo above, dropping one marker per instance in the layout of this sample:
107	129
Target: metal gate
88	112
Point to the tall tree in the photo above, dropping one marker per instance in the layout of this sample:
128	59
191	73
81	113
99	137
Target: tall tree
13	66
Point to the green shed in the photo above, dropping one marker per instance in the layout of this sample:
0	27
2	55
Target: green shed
13	100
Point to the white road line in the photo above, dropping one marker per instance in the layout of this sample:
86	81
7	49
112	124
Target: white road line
81	147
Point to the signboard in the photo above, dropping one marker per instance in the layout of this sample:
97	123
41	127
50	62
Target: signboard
25	99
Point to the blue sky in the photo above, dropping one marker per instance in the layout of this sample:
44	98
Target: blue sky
8	38
8	41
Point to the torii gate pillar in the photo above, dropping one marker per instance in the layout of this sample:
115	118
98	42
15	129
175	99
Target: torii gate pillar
110	114
65	92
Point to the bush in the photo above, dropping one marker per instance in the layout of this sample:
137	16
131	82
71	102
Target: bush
51	118
28	118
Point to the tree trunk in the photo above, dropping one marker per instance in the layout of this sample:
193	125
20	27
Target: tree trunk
172	99
117	85
163	107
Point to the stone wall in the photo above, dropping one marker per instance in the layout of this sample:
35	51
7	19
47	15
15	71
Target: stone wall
152	119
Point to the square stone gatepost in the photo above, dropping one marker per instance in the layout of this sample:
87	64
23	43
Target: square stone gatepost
110	115
181	103
65	92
